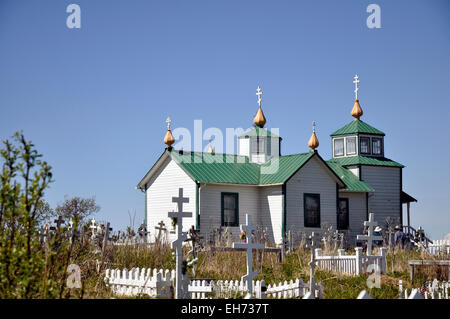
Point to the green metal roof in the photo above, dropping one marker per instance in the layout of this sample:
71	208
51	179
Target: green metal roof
351	180
235	169
258	131
218	168
357	126
365	160
271	173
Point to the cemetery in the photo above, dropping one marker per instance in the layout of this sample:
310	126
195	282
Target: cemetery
196	243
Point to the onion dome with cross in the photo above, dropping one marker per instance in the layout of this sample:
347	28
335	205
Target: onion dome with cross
259	119
313	141
169	139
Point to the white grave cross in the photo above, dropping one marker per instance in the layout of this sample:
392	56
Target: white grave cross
93	227
248	228
181	237
371	224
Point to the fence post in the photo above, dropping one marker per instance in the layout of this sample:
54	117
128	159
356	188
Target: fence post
318	252
261	289
358	260
341	252
383	260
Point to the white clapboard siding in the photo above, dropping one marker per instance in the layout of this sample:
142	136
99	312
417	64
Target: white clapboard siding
270	212
385	202
244	146
313	177
211	206
161	188
357	213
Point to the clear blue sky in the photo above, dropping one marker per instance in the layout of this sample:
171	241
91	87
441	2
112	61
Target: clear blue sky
95	100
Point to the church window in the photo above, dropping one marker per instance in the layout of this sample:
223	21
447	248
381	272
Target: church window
376	145
364	145
258	145
339	147
342	217
351	145
311	207
230	209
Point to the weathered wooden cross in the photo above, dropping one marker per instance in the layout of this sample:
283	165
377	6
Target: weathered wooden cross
371	224
194	237
59	221
181	237
314	238
143	233
160	230
248	228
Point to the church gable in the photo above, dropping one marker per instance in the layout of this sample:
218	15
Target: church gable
312	183
164	183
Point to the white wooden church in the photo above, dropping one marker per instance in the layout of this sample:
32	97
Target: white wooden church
298	192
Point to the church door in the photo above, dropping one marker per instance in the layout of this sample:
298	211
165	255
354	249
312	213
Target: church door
342	214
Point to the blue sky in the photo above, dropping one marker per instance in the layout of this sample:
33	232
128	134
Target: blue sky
94	100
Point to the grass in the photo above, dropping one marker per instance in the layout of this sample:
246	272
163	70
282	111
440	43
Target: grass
232	266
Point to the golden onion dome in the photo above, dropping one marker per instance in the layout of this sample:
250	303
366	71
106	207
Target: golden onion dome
357	111
313	141
259	119
169	139
210	150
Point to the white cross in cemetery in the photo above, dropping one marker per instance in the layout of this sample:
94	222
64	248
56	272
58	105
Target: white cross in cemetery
93	227
181	237
248	228
371	224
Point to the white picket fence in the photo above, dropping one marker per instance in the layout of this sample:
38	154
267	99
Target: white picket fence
202	289
433	290
151	282
439	247
158	284
291	289
351	264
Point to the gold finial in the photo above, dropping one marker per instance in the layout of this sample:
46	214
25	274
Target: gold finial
210	150
357	111
169	139
259	119
313	141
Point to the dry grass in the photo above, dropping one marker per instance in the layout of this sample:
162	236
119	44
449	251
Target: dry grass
232	266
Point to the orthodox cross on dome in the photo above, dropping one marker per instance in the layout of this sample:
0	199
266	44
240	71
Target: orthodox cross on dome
356	81
370	224
248	228
314	126
168	121
259	93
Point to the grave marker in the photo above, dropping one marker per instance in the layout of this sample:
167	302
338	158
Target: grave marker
371	224
181	237
248	228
